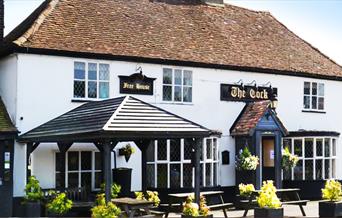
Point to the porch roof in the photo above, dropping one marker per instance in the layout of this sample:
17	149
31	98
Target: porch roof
250	117
123	118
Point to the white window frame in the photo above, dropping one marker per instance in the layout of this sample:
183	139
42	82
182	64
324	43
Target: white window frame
331	158
188	161
93	171
86	80
173	85
311	96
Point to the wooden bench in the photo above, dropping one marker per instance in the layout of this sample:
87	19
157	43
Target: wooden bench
79	196
287	197
181	197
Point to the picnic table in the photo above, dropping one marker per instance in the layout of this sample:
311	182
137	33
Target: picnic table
131	206
287	196
178	199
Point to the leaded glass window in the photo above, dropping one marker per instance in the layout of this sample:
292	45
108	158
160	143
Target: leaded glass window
173	168
177	85
83	169
317	158
91	80
313	96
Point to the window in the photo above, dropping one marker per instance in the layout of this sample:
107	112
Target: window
91	80
313	96
317	158
83	169
169	164
177	85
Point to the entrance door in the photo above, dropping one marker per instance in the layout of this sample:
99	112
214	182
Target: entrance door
6	179
268	158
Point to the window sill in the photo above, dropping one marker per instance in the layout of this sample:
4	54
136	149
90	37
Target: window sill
176	103
81	100
314	111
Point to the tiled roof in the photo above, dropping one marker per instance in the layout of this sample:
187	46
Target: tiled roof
174	30
6	125
249	118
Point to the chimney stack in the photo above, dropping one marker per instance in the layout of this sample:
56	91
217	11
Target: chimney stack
214	2
2	20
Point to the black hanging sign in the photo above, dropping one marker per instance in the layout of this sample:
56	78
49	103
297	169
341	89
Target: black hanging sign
231	92
136	84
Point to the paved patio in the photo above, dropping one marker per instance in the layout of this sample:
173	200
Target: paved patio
311	210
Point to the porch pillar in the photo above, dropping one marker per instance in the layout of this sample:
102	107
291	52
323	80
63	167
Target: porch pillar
107	170
63	148
30	147
258	151
143	146
28	154
278	148
198	145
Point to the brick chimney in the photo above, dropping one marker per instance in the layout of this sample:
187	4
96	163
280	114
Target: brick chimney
2	20
214	2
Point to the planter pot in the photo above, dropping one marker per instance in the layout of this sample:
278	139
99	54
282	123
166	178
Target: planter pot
269	212
186	216
32	209
330	209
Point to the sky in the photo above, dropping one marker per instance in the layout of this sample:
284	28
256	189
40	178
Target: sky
319	22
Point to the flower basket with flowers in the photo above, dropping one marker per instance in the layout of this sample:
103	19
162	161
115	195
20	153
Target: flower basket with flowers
127	151
268	201
246	190
332	207
246	161
191	209
288	160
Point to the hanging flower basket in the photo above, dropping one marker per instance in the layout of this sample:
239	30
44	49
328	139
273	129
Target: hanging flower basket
127	151
288	160
246	161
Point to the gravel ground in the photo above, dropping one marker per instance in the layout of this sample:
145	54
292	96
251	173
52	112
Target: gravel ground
311	210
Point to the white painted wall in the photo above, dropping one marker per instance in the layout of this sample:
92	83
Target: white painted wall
45	90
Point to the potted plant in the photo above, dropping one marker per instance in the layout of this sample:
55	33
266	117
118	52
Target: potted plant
104	210
288	160
246	190
33	197
332	207
127	151
269	203
60	205
246	161
191	209
149	196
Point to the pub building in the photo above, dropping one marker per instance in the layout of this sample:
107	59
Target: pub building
77	72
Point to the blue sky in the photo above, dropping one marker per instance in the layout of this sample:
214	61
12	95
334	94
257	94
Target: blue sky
317	21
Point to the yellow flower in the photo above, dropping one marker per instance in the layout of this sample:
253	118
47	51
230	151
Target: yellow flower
332	190
268	197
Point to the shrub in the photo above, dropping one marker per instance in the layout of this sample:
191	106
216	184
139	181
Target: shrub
246	161
33	190
60	204
109	210
288	160
103	210
115	189
268	197
149	196
193	209
246	190
332	190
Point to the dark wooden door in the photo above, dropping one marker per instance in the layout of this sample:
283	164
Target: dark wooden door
268	158
6	178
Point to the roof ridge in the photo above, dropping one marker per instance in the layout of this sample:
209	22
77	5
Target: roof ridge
247	9
303	40
37	23
116	112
